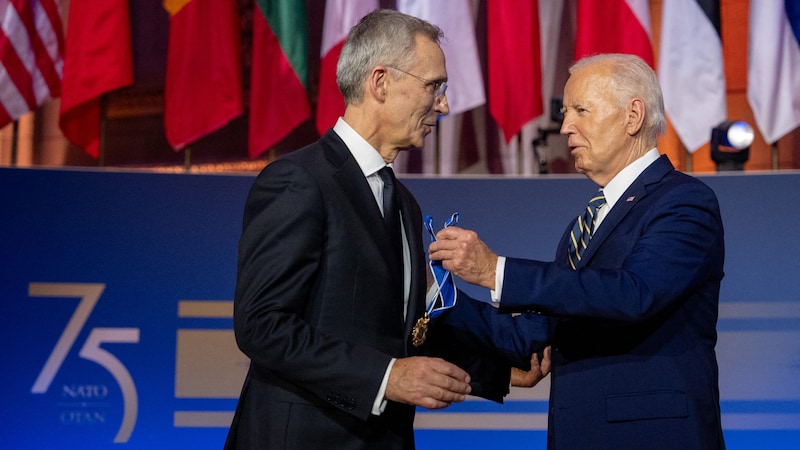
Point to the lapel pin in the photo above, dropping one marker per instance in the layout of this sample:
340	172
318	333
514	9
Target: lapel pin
630	199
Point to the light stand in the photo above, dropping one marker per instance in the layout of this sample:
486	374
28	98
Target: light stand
556	116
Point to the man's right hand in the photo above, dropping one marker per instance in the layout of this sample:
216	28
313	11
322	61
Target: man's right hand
431	383
465	255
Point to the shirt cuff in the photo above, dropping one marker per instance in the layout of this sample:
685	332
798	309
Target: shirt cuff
379	405
500	270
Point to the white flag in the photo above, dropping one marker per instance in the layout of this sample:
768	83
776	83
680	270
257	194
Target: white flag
691	71
773	69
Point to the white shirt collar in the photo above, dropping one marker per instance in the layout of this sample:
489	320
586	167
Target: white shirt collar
368	159
623	180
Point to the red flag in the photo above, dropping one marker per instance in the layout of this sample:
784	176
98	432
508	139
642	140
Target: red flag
97	60
340	16
278	96
31	49
203	90
515	68
614	26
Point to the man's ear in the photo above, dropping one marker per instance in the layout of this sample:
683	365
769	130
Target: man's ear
377	83
635	119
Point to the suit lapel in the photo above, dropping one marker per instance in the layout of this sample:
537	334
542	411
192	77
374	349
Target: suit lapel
349	176
412	225
633	195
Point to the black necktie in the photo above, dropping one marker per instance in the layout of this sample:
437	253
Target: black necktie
391	210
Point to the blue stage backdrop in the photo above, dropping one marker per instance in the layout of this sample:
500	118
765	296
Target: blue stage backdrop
117	287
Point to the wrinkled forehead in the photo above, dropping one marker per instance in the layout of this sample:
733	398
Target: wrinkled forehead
593	81
429	56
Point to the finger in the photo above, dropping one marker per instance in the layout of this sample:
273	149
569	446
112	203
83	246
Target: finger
546	362
451	232
451	370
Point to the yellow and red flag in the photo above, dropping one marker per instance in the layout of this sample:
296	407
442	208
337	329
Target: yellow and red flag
203	90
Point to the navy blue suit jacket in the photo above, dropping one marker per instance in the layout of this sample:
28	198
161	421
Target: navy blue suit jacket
634	364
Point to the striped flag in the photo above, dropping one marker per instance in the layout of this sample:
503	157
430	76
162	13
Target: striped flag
98	60
340	16
279	75
614	26
203	89
690	69
31	56
515	68
465	89
773	70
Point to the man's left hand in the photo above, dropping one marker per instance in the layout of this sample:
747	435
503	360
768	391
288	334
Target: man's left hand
530	378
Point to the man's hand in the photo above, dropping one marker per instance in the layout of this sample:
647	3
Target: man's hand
465	256
538	371
432	383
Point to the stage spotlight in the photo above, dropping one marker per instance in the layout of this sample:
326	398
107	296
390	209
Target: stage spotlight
730	144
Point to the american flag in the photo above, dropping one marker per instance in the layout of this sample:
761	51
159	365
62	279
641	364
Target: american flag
31	56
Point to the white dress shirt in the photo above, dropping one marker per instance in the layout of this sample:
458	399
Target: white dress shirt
370	162
612	192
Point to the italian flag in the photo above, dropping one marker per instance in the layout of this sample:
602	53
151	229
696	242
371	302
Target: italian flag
279	75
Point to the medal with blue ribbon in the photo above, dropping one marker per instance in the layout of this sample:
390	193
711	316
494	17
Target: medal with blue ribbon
446	293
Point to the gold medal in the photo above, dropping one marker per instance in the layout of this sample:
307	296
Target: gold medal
420	330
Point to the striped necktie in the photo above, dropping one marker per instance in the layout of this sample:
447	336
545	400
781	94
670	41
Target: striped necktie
584	228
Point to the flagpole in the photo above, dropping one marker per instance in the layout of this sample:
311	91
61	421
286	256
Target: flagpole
14	137
774	148
187	159
689	159
101	154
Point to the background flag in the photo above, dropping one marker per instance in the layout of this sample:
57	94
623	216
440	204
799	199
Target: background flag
773	71
465	89
515	72
454	17
340	16
690	69
614	26
97	60
203	89
279	75
31	49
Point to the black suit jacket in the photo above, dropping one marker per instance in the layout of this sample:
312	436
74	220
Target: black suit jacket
315	309
319	310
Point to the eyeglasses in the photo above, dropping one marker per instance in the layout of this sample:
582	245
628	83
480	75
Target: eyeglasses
439	87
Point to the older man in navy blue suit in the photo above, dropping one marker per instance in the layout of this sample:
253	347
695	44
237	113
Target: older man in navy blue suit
635	303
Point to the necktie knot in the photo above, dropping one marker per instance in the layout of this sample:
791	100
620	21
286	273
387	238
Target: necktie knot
584	227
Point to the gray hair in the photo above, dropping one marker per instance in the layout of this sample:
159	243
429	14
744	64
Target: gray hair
633	78
383	36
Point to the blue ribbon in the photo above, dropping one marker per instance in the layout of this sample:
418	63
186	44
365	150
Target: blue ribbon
446	287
